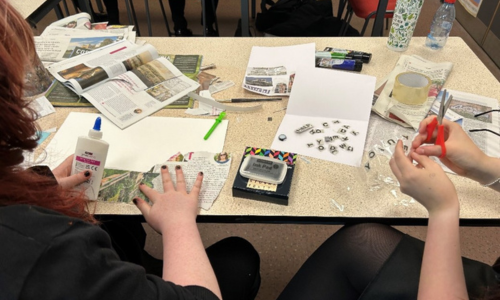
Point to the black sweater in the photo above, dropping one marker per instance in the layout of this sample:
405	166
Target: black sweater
47	255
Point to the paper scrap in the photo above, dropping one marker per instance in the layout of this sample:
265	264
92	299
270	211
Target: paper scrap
215	168
42	106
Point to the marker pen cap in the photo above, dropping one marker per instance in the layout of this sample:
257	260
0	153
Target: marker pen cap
358	66
362	56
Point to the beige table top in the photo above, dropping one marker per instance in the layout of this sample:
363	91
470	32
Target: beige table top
26	7
317	182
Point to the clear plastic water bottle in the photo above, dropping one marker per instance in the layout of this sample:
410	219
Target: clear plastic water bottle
441	25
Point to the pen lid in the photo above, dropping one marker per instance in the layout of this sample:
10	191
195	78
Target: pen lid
358	66
362	56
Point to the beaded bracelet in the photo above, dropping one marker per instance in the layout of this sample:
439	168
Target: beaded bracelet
492	183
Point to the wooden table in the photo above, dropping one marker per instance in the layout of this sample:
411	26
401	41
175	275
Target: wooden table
317	182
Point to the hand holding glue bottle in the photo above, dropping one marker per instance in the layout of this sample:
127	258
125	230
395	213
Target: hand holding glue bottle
90	154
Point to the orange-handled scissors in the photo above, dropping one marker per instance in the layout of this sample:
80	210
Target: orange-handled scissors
438	121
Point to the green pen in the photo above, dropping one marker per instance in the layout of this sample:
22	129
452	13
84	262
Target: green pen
217	122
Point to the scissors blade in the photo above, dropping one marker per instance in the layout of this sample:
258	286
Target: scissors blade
441	111
447	104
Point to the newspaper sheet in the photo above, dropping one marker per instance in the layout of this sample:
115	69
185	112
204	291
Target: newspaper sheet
409	115
466	106
271	70
75	35
79	21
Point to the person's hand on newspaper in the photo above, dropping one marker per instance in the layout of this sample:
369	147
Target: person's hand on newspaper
175	206
462	155
427	182
62	173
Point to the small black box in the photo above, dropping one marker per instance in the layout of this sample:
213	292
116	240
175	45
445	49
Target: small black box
261	191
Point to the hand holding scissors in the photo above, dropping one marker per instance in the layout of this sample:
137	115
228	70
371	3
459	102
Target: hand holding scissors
438	121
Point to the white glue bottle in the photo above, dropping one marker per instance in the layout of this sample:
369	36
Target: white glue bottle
90	154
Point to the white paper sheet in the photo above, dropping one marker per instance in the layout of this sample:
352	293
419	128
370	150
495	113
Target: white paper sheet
287	58
140	146
323	96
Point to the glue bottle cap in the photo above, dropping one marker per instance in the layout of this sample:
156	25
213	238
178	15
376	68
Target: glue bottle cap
96	132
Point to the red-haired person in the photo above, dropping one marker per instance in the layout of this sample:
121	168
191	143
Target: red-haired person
53	248
375	261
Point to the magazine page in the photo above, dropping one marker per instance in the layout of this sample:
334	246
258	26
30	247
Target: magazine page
59	95
403	114
271	70
88	70
189	65
136	94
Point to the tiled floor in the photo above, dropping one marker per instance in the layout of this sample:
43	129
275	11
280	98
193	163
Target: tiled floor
283	248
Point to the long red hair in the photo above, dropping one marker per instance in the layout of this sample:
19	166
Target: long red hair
18	130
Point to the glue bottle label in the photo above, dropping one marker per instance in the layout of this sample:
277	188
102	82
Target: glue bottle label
86	160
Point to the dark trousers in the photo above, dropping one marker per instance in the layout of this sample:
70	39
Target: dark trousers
177	8
235	261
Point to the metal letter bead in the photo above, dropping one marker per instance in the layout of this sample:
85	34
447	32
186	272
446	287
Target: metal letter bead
306	127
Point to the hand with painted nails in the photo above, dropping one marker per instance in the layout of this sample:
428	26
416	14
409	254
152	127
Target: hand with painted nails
62	173
427	182
462	155
175	206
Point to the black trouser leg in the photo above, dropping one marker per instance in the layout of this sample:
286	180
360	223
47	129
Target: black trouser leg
344	265
177	9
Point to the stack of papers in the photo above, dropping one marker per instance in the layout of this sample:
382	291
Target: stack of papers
75	35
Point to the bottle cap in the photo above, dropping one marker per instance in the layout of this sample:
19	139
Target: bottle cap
96	132
450	1
358	66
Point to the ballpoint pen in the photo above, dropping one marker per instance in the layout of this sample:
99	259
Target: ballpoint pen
438	121
217	122
236	100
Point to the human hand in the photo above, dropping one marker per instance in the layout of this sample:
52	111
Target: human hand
462	155
175	206
62	173
427	183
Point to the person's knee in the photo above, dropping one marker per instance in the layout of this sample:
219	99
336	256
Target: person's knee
242	247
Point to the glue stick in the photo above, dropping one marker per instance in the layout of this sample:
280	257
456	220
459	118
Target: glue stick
90	154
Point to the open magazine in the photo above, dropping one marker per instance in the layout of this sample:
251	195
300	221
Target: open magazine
75	35
124	81
403	114
59	95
